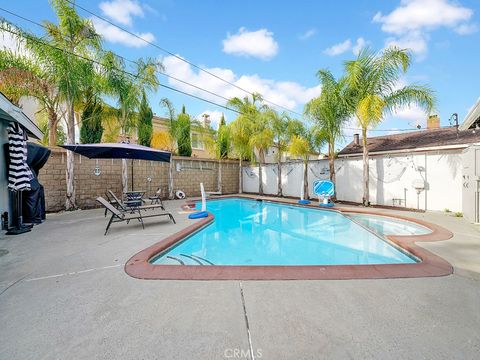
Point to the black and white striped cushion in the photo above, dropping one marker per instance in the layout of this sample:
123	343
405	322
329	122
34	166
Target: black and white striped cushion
19	174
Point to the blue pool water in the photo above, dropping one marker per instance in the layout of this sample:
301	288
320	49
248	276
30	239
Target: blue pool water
390	226
248	232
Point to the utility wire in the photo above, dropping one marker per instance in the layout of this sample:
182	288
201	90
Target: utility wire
129	60
160	72
176	56
117	69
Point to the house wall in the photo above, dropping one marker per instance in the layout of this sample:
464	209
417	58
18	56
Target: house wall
148	176
391	179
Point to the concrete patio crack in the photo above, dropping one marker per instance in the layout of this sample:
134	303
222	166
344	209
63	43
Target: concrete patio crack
246	322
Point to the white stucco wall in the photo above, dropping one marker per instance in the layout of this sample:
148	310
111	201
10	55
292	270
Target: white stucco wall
391	177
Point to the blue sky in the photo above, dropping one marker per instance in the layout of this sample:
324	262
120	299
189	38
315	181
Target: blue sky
276	47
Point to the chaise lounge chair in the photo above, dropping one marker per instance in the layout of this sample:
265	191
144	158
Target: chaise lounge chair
132	205
156	198
120	216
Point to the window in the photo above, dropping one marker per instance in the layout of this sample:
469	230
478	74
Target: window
197	141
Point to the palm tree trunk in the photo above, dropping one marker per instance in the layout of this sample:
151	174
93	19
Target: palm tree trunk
331	162
170	178
279	175
305	179
260	175
219	178
52	127
70	201
240	177
366	193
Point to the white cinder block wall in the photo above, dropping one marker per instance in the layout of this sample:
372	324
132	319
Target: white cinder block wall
391	177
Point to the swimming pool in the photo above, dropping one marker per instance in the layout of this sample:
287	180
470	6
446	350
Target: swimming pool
385	225
261	233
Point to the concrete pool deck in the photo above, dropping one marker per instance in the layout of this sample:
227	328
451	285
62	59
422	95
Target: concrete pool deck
64	294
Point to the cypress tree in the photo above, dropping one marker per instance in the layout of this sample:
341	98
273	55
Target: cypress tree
223	138
184	141
91	130
144	123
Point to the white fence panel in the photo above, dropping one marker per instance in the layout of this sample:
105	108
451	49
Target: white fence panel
250	179
393	179
270	185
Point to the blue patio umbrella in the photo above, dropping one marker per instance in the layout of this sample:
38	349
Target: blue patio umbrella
119	151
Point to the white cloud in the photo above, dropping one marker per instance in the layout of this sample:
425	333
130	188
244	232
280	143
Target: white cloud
122	11
115	35
338	49
308	34
416	41
414	15
285	93
259	44
359	45
412	21
345	46
466	29
214	115
413	115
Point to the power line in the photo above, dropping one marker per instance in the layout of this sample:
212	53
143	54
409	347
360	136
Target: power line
131	61
117	69
176	56
160	72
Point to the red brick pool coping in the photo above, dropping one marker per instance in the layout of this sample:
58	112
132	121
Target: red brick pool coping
430	264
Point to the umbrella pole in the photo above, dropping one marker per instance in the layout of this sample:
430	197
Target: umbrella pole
132	175
18	227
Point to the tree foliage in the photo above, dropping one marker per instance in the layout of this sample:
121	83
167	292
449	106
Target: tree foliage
183	126
223	138
330	111
372	80
145	127
91	129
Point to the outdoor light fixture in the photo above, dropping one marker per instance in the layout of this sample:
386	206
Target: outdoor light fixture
454	121
97	170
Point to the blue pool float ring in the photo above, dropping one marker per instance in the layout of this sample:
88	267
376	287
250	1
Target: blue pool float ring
198	215
303	202
330	204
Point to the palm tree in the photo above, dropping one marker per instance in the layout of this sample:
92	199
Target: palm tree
330	111
372	79
128	90
302	146
252	121
279	123
22	74
173	135
261	141
218	143
240	132
72	37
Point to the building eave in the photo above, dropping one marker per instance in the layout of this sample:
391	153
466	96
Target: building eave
12	113
472	116
403	151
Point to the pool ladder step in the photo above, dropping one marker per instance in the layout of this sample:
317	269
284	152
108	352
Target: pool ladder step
185	260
